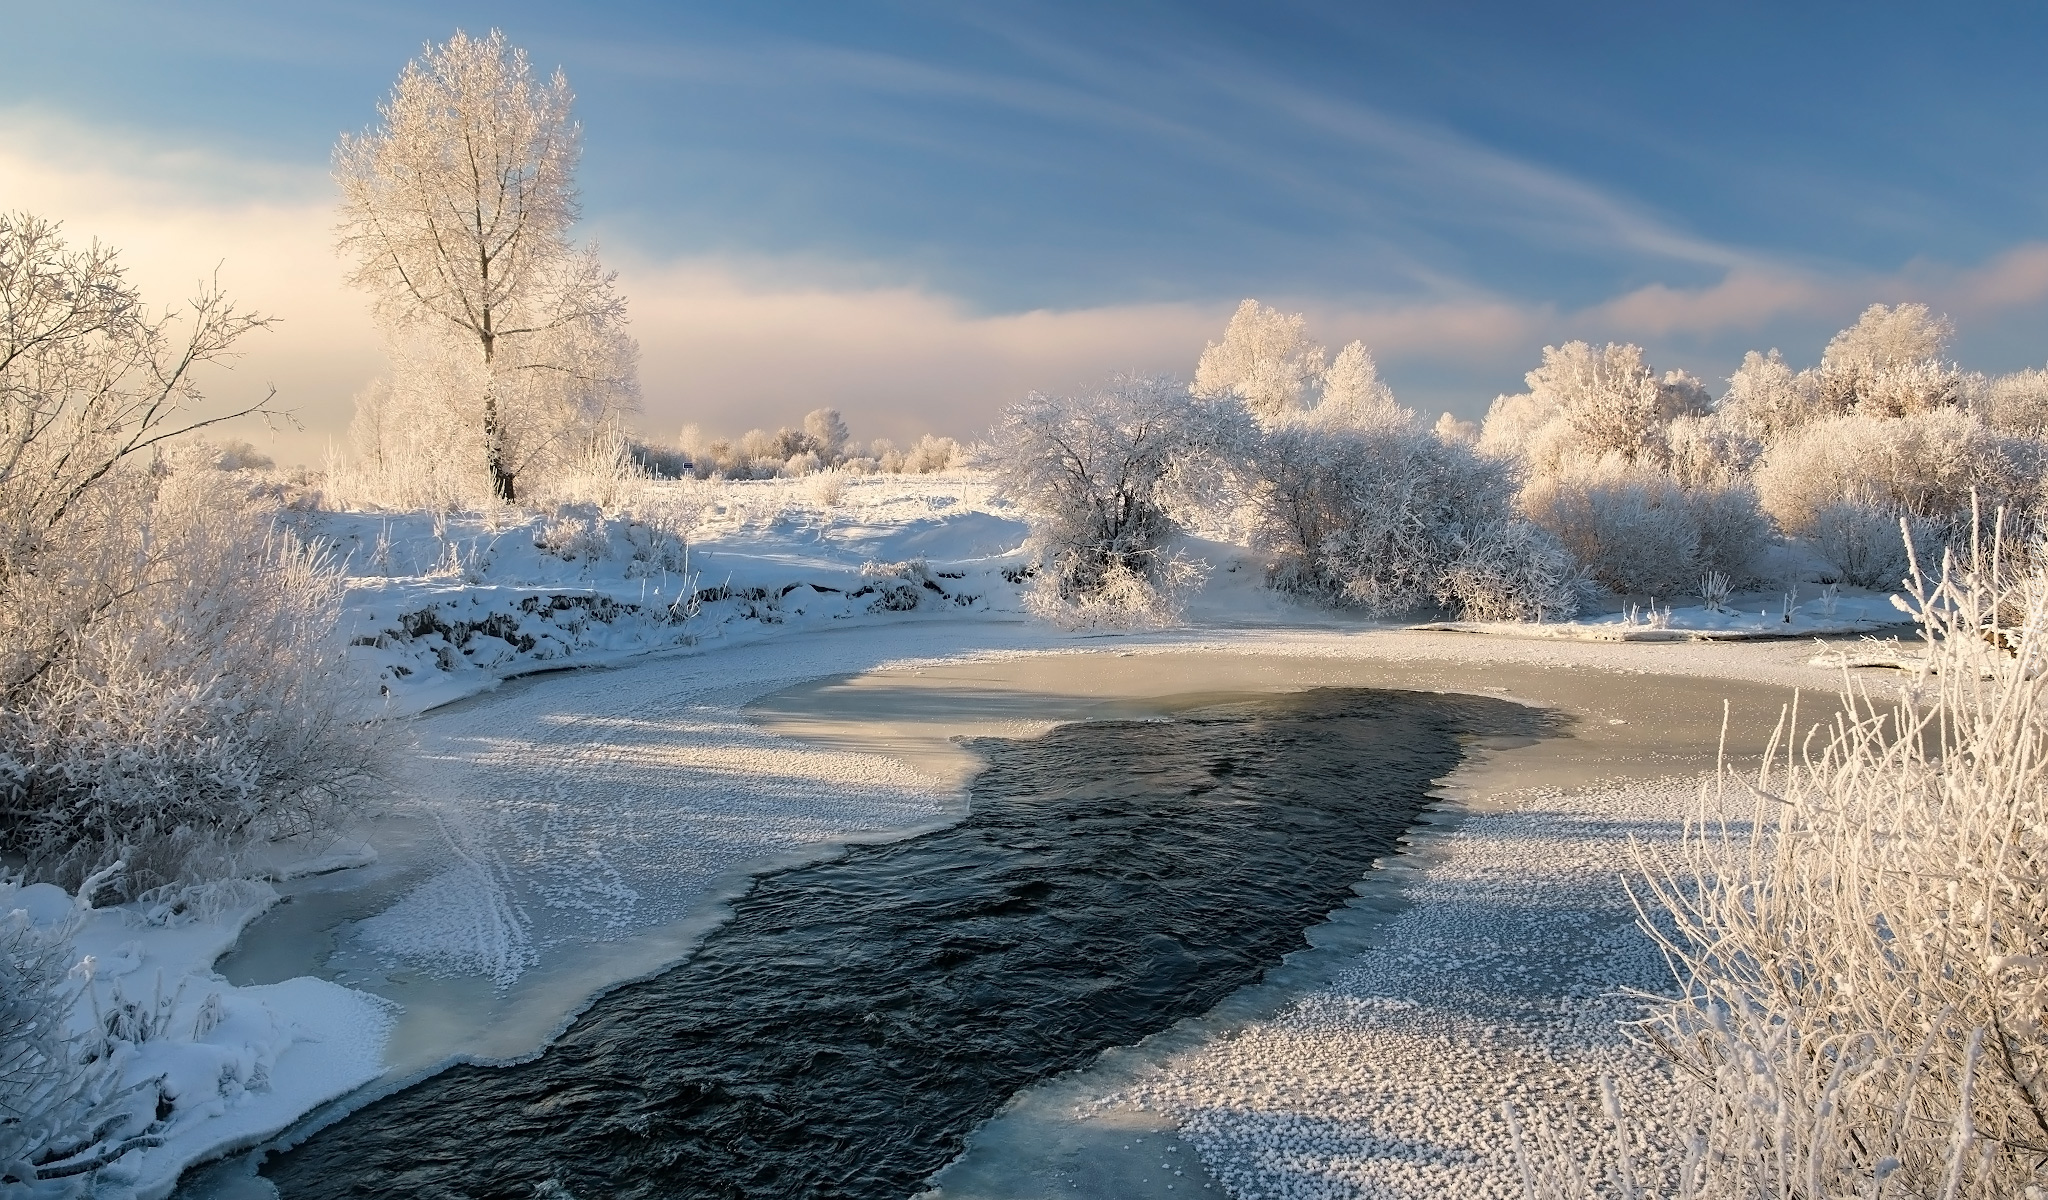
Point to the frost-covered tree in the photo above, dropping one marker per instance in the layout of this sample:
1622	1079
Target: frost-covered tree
1645	486
1586	403
456	212
1265	359
1352	389
1453	428
828	433
1096	475
1766	398
91	383
1889	364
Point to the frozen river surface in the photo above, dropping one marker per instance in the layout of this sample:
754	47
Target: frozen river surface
857	1018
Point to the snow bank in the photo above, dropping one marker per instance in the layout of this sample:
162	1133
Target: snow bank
443	606
213	1067
1745	620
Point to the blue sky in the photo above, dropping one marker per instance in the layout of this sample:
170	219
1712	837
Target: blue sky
1458	184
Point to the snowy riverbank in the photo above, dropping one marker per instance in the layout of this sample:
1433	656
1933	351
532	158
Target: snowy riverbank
443	606
507	895
563	834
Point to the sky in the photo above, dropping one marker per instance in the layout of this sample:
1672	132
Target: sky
919	212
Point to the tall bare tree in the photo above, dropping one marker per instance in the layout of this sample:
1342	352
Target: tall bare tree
457	210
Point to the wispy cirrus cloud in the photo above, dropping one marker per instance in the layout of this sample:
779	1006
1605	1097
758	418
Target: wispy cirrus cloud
732	342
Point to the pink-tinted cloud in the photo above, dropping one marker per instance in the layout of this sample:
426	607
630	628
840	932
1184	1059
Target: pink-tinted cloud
731	345
1746	299
726	352
178	218
2015	278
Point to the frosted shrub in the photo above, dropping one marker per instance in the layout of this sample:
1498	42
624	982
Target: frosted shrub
929	454
827	490
1926	466
400	457
603	475
1629	524
1511	570
1638	532
1733	530
196	705
1862	540
1362	505
168	675
657	543
1710	451
1863	965
2015	404
1096	476
574	534
821	445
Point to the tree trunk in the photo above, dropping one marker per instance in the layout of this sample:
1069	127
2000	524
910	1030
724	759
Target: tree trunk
494	450
494	435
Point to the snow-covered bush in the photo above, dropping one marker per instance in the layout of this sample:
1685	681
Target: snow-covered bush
1710	451
1638	532
930	453
1862	951
1512	569
822	444
198	711
2015	404
1926	465
62	1114
1628	522
1869	544
166	657
1361	504
1097	476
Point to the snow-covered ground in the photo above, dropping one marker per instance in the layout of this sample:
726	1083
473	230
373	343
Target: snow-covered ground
1742	618
563	834
238	1064
443	606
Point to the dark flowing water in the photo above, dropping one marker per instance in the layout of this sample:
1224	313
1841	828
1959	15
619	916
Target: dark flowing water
854	1021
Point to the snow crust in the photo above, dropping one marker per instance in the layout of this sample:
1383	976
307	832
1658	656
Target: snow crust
1503	983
